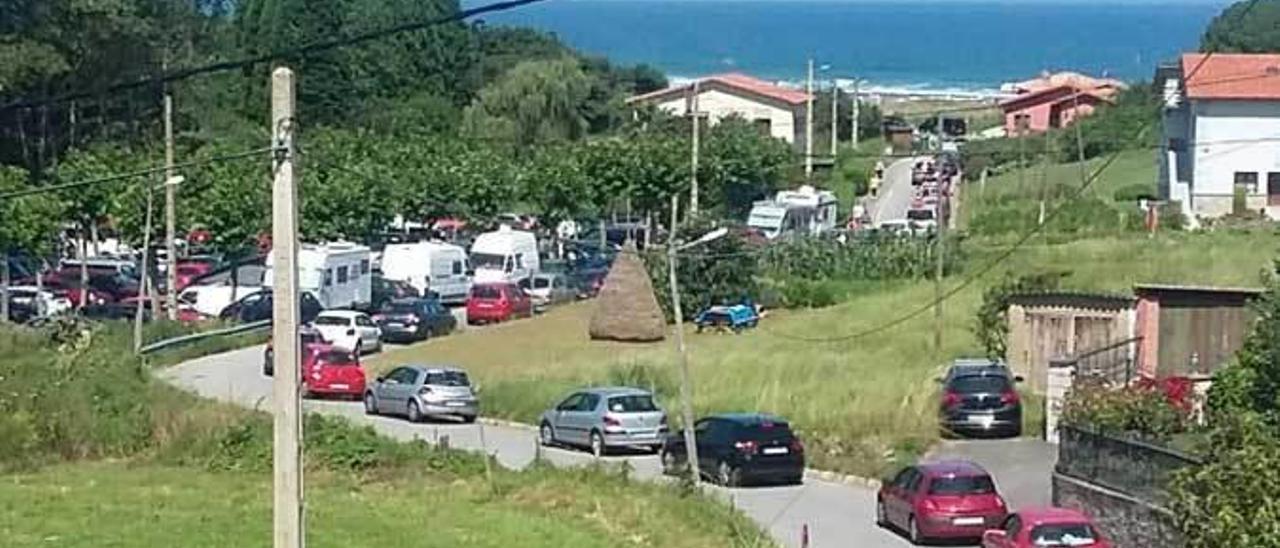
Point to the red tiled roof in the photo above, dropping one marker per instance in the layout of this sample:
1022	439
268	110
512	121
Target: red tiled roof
1059	79
1240	76
740	81
1056	94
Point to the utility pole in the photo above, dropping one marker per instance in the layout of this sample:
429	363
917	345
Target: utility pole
944	205
808	125
145	286
686	391
853	122
835	110
170	213
693	177
284	330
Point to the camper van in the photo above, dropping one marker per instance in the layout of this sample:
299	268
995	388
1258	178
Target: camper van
822	202
338	274
434	266
805	211
505	255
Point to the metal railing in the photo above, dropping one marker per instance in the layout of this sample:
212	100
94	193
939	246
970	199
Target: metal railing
195	337
1115	363
1138	469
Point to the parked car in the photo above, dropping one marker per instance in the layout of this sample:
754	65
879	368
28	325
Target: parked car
349	329
415	320
328	370
189	271
29	302
550	289
978	397
258	306
417	392
307	336
735	449
1039	527
386	291
954	499
602	419
497	302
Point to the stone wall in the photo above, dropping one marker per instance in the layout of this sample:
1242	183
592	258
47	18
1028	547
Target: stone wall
1128	522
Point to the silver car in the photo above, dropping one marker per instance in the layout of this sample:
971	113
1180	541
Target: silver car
605	418
418	392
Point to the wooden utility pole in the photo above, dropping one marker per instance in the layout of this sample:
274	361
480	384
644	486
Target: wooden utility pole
808	125
686	391
170	213
693	177
853	122
284	330
835	111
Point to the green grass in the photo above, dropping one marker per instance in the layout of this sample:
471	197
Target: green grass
107	504
864	404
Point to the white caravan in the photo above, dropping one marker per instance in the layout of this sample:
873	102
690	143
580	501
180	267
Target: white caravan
805	211
505	255
434	266
823	203
338	274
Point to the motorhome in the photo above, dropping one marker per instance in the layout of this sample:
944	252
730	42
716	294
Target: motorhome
505	255
823	202
435	266
805	211
338	274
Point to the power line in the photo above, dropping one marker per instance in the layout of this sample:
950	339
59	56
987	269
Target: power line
130	174
1204	60
314	47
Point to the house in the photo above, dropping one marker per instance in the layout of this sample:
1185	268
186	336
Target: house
1054	101
776	110
1190	330
899	133
1221	133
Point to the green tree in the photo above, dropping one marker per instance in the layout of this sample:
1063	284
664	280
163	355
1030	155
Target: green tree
742	165
535	102
232	200
1249	26
28	226
556	184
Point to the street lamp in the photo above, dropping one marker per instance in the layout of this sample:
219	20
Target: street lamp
686	403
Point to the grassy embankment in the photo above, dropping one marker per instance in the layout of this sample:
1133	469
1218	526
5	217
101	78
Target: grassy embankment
129	461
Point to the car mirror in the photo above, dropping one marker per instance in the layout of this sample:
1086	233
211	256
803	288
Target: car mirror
1018	378
379	379
475	389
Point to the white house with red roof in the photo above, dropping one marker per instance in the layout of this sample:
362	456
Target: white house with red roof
1221	132
777	110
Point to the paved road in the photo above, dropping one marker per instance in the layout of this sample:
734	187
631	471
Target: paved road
1021	467
838	515
895	192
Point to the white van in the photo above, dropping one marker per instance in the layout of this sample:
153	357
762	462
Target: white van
434	266
338	274
209	300
822	202
505	255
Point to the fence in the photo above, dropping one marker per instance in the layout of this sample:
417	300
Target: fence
194	337
1114	362
1140	470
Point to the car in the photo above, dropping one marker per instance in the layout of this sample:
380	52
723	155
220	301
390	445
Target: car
602	419
550	289
737	448
328	370
29	302
979	398
189	271
258	306
307	336
1040	527
408	320
497	302
949	499
349	329
385	291
418	391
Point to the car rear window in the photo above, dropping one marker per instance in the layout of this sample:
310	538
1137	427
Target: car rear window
767	432
962	485
447	378
401	308
632	404
979	383
541	283
337	357
486	292
332	320
1063	534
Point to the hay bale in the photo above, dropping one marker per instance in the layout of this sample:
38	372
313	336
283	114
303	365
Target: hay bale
626	309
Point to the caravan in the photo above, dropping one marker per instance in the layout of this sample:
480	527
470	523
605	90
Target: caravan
505	255
434	266
338	274
804	211
822	203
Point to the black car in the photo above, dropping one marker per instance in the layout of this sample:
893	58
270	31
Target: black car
735	449
258	306
979	398
414	320
384	291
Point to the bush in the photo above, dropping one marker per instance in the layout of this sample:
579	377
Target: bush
802	293
644	375
875	257
1150	411
723	271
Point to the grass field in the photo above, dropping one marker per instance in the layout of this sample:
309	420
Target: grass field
862	404
109	504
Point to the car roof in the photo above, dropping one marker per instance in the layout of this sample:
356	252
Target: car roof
749	419
341	313
956	467
616	391
437	368
1038	515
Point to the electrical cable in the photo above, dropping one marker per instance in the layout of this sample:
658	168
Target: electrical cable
131	174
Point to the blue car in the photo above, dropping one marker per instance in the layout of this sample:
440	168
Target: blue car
732	317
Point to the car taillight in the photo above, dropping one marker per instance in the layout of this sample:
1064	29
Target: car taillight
747	447
1009	397
612	424
950	399
378	318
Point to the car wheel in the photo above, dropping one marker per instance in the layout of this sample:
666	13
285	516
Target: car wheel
728	475
370	404
468	419
882	517
913	532
414	413
427	334
546	435
597	444
669	465
655	448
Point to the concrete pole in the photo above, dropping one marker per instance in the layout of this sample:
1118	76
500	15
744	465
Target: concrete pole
170	213
808	125
853	123
145	285
686	390
835	110
693	181
284	330
943	214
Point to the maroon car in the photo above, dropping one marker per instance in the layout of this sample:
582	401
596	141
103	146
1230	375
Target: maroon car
953	499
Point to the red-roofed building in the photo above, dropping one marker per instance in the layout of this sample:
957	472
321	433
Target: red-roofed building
1054	101
777	110
1221	133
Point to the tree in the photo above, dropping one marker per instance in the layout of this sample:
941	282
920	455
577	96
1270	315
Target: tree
556	184
1249	26
232	200
28	226
535	102
742	165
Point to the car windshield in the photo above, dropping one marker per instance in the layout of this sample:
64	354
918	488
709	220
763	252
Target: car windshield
962	485
976	384
401	308
487	260
485	292
1063	534
638	403
767	432
332	320
541	283
447	378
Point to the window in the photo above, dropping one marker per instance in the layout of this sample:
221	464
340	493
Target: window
364	321
632	404
406	376
541	283
342	274
519	260
914	483
364	266
1273	189
1021	122
328	277
902	478
961	485
1248	180
448	378
589	402
763	125
1063	534
571	403
457	268
333	321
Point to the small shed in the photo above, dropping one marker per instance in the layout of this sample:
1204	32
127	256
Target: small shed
1047	326
1188	330
899	134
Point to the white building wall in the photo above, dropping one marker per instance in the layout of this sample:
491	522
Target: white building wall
720	105
1230	137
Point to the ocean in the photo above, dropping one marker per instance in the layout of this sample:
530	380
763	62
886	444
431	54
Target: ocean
955	46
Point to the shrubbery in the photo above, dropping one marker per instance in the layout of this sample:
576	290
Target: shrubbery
872	257
1146	410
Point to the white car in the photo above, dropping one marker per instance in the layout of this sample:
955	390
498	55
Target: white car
43	301
349	329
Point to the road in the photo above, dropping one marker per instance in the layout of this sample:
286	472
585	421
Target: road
895	192
837	514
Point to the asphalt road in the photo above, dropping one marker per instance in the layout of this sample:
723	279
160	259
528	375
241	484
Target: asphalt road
895	192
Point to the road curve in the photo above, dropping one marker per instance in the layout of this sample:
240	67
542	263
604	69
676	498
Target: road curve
836	514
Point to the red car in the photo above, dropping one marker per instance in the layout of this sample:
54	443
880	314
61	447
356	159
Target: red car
330	371
189	271
497	302
1036	527
953	499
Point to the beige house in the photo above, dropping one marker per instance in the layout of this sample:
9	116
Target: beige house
776	110
1050	326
